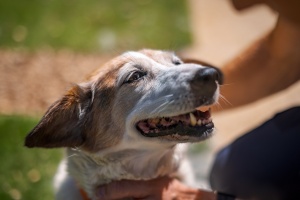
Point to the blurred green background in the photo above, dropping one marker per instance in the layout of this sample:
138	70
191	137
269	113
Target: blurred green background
93	25
25	173
101	26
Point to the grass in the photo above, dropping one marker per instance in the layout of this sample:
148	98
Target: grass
25	173
196	148
28	173
94	25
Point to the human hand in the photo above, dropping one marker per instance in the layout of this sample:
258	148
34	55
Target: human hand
164	188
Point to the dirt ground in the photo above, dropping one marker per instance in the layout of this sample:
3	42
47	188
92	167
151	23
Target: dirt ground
30	82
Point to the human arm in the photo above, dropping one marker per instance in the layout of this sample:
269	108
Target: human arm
270	65
164	188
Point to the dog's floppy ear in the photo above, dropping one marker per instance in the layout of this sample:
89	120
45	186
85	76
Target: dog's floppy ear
221	76
62	124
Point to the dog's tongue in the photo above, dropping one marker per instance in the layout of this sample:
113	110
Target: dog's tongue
203	108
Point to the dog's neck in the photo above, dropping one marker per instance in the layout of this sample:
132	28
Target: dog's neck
133	164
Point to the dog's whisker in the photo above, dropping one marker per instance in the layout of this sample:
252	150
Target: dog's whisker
161	107
162	101
227	84
75	148
72	155
219	105
157	102
225	100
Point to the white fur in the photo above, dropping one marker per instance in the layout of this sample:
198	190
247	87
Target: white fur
136	157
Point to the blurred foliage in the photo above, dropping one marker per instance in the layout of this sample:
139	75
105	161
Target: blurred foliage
196	148
94	25
25	173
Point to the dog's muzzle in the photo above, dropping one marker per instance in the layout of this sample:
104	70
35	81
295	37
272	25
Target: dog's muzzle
191	126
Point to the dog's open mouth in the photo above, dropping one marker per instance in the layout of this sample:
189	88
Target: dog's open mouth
195	124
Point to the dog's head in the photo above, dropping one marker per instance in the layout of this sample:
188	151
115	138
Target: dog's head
149	96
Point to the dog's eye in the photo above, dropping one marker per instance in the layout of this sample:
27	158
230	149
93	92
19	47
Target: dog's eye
134	76
177	62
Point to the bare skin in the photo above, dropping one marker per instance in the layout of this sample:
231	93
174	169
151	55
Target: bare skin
268	66
161	188
254	74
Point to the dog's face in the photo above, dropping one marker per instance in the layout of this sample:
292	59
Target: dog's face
148	96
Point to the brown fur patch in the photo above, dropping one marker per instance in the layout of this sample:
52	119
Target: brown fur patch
62	126
59	127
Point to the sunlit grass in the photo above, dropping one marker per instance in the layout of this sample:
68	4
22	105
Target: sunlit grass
25	173
94	25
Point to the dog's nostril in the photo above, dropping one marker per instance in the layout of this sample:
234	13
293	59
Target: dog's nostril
206	75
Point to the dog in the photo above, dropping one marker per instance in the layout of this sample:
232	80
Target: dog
127	120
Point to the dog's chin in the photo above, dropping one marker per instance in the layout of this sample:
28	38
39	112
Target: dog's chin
189	127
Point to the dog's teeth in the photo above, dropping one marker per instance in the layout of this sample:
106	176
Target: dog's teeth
193	119
163	121
203	108
154	121
206	121
199	122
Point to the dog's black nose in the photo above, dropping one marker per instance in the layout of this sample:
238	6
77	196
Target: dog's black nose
208	75
205	81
